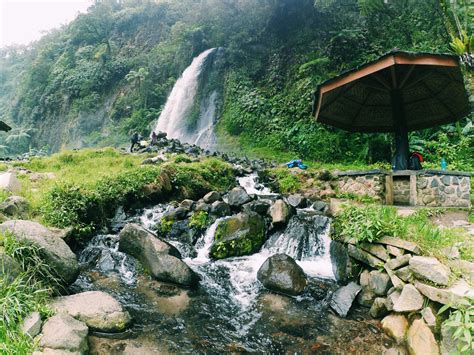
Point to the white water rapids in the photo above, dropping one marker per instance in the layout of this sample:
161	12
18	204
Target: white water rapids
178	107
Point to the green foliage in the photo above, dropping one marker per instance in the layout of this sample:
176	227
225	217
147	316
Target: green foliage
367	223
86	205
26	293
461	324
199	220
166	224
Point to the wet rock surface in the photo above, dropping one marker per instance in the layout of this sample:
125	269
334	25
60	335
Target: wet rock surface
281	273
99	310
55	251
343	298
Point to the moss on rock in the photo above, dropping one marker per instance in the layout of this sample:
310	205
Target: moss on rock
238	235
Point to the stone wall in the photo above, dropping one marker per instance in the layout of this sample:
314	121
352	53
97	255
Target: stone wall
443	190
363	183
432	188
401	190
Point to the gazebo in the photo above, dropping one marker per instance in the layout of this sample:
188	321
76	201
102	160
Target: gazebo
397	93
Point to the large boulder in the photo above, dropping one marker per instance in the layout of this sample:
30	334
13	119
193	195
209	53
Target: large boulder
343	298
242	234
161	259
420	339
410	300
97	309
282	274
15	206
65	334
430	269
280	212
54	250
238	197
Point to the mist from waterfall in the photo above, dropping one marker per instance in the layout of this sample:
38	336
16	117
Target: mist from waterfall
174	118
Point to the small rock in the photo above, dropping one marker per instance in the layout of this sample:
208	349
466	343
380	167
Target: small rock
364	278
296	201
392	299
238	197
395	325
400	243
429	317
379	308
32	324
187	204
62	332
97	309
343	298
259	206
395	251
376	250
366	297
451	253
398	262
420	339
280	213
364	257
220	209
281	273
202	206
212	197
339	260
452	295
404	274
396	282
410	300
16	206
379	282
429	268
9	182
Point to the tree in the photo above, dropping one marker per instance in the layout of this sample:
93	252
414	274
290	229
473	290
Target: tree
137	78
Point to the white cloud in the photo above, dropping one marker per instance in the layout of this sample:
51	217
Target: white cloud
24	21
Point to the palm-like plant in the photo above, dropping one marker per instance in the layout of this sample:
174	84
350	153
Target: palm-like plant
137	77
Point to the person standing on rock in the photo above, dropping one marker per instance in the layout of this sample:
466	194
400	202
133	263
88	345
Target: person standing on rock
154	138
134	139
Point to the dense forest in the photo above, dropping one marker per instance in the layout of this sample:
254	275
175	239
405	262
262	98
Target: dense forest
110	71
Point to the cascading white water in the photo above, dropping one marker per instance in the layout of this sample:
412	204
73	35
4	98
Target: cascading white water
173	118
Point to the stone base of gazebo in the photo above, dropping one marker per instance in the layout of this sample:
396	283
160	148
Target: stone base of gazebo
431	188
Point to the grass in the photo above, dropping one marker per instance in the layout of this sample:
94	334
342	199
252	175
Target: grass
91	183
27	293
81	167
369	222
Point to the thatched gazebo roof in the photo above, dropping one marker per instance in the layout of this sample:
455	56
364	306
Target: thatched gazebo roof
4	127
430	92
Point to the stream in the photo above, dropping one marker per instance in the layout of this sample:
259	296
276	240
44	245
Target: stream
230	310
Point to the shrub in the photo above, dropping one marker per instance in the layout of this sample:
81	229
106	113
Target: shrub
461	323
198	220
367	224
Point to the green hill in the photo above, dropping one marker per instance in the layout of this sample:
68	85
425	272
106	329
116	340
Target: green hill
81	85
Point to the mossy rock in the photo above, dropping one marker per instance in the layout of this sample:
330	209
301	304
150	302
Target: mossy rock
242	234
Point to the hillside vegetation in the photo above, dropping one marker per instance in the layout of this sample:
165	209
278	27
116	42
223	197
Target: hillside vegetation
110	71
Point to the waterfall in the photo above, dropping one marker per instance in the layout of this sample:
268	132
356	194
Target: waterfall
174	118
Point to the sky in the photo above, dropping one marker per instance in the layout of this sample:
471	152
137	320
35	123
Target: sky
24	21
